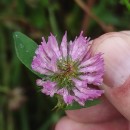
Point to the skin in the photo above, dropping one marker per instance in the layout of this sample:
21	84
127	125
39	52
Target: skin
114	111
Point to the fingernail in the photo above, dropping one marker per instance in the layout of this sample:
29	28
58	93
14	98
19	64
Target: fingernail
117	60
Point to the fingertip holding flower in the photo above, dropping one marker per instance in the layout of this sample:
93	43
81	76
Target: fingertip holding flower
70	68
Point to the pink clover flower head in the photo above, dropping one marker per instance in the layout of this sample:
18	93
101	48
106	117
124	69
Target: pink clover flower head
71	69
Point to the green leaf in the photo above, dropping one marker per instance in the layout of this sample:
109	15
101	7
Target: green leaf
25	50
89	103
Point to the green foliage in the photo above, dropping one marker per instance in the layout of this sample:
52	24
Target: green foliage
25	49
126	3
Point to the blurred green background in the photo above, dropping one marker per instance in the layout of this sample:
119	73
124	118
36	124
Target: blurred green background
22	106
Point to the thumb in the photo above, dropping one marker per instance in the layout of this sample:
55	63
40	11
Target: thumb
116	49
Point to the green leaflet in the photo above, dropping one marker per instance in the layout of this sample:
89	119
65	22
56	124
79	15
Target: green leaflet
88	103
25	50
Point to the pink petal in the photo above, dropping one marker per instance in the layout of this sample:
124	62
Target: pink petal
92	93
39	82
80	95
68	99
47	49
49	88
54	64
81	102
79	48
96	80
63	46
79	83
38	66
54	46
91	69
91	61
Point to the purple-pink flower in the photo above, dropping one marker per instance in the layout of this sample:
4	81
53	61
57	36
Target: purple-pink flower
72	71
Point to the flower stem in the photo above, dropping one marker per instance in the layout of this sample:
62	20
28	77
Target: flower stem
60	103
